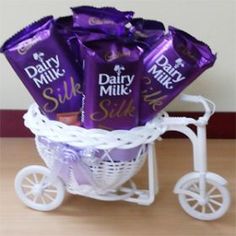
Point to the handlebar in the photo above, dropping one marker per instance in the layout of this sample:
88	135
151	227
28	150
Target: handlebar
209	109
209	106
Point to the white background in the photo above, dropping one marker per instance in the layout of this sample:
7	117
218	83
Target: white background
212	21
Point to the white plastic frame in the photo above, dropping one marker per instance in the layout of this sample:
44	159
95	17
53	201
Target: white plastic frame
140	135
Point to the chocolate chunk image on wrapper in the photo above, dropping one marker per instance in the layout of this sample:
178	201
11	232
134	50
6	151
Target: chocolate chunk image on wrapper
43	62
169	67
111	85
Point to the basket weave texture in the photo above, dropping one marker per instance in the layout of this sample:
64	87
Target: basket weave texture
80	137
119	154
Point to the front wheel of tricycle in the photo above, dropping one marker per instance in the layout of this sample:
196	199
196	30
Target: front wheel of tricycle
215	204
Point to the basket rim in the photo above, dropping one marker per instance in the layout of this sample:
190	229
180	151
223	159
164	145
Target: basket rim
78	136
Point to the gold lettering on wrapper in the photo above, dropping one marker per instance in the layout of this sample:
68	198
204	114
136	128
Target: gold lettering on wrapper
109	110
65	94
153	99
110	56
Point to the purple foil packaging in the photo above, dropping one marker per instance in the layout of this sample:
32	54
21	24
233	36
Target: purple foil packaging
112	76
148	31
172	64
64	26
107	19
43	62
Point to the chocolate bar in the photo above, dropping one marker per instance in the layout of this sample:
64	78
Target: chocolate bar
112	76
43	61
169	67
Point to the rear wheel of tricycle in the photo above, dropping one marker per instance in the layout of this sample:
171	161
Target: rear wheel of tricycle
37	189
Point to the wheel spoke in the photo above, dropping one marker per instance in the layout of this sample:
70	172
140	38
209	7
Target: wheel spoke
29	180
195	187
211	207
215	202
211	190
191	199
50	190
195	205
203	208
216	196
35	178
48	196
42	199
42	180
28	193
26	186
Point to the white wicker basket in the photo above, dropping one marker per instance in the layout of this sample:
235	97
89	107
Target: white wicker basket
92	157
101	172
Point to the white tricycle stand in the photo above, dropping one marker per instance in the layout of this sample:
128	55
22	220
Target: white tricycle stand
202	194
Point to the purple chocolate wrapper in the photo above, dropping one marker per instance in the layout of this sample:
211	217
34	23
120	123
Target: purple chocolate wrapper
148	31
105	18
113	70
85	36
172	64
41	59
64	26
64	162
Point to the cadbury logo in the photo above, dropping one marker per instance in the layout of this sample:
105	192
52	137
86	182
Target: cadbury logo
99	21
24	46
115	85
45	71
165	73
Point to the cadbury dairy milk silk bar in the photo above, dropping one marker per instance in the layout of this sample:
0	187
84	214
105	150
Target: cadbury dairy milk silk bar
111	85
42	60
169	67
